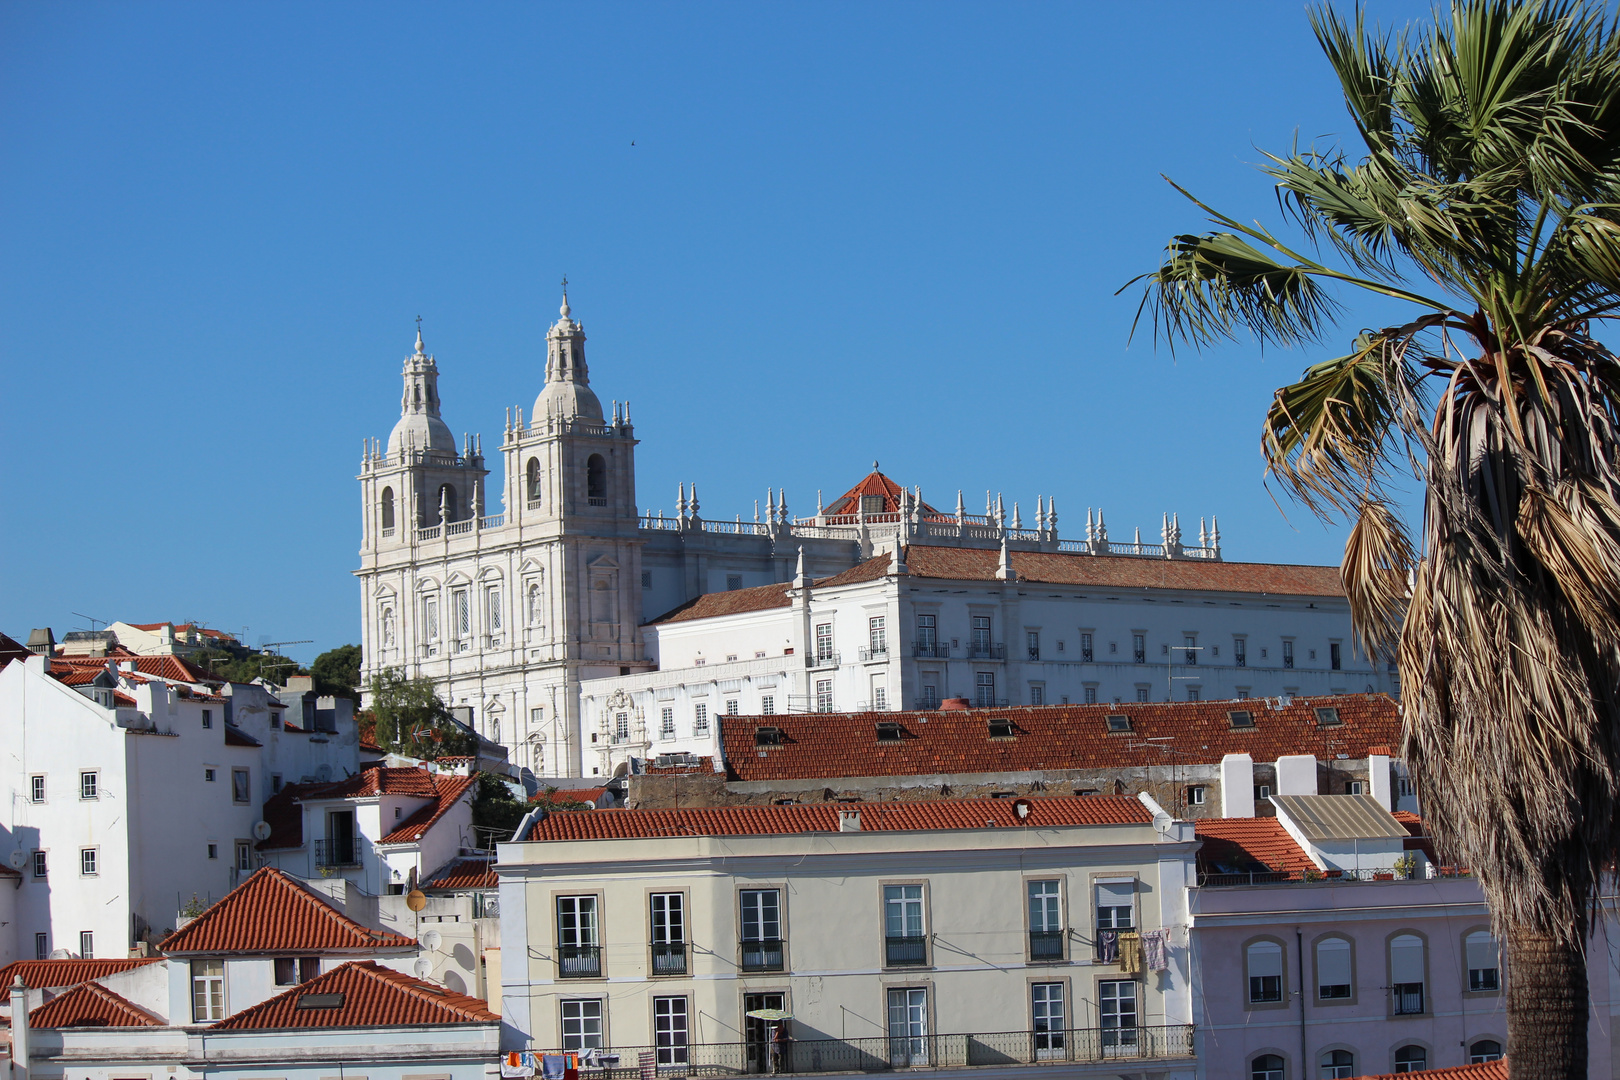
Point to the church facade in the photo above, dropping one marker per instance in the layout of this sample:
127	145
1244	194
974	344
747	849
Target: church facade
541	615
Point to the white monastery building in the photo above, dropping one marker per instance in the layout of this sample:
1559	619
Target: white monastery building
581	630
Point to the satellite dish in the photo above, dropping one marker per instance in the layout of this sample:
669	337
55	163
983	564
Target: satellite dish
423	967
415	900
1022	808
261	830
18	858
431	939
1162	822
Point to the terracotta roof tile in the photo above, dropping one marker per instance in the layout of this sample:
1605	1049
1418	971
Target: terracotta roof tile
873	483
824	817
91	1005
586	795
48	974
361	994
699	764
378	780
449	791
272	913
1126	572
830	745
172	668
1490	1070
465	874
1235	845
734	602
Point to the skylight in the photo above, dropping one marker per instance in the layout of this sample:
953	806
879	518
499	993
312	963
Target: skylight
1119	722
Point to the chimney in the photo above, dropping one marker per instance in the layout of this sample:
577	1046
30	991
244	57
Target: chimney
42	642
19	1030
849	820
1237	786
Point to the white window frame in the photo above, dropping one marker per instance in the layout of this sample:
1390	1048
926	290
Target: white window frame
582	1015
89	784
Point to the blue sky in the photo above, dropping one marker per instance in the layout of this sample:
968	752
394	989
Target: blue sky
801	237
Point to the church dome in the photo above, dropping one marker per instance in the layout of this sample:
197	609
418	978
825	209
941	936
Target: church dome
419	423
571	400
425	433
567	392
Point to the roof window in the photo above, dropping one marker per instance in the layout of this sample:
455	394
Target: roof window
888	731
1119	722
1240	719
1001	728
1328	718
320	1001
768	736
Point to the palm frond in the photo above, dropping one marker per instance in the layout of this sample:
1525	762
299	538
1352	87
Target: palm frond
1378	562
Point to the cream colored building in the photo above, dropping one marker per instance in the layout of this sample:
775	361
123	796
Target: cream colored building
928	934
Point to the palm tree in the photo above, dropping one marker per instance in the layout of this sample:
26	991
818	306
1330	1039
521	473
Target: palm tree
1488	198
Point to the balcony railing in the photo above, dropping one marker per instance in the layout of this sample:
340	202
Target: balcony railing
340	852
986	650
579	961
878	652
1328	877
905	951
1408	999
669	958
1046	945
1173	1042
821	660
762	955
931	650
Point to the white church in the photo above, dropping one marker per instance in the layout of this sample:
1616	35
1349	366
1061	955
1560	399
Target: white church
581	632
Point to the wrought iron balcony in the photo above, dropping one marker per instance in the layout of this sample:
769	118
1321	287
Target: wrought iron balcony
579	961
338	852
878	652
764	954
986	650
821	660
911	951
1046	945
669	958
931	650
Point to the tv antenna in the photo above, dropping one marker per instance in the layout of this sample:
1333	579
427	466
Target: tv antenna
95	623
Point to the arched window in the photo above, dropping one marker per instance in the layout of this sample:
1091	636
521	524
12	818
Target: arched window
388	508
1483	965
1411	1059
1484	1050
596	480
447	501
532	483
1337	1064
1266	1067
1333	969
1406	974
1265	962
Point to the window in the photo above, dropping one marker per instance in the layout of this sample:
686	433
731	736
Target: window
669	1029
36	789
985	689
981	635
668	913
1265	972
1328	718
87	945
1118	722
532	483
700	719
666	722
1240	652
621	727
88	785
1483	970
1266	1067
1045	921
430	618
596	480
1240	719
1406	974
1479	1052
1085	648
87	861
1411	1059
824	649
1116	1008
1047	1015
1335	662
877	636
1189	649
646	579
1288	661
461	613
244	856
1352	787
1142	693
824	695
1194	693
387	510
733	582
42	947
731	707
1262	792
761	929
1037	694
1116	900
492	609
1032	643
1195	795
208	718
207	990
1336	1064
1334	968
908	1026
927	635
1091	695
39	863
930	696
296	970
581	1024
579	954
767	705
905	945
888	732
240	786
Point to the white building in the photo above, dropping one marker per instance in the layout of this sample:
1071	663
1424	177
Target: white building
924	934
515	609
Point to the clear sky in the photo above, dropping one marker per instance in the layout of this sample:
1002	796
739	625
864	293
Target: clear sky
801	237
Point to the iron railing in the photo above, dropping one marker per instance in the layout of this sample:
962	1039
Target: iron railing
579	961
908	951
1328	877
669	958
764	954
877	652
936	650
1046	944
821	660
344	851
986	650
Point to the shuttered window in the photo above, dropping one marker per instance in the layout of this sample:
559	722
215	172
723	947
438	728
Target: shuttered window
1265	971
1332	969
1482	962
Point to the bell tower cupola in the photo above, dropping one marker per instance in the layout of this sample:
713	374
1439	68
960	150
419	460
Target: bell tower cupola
420	426
567	394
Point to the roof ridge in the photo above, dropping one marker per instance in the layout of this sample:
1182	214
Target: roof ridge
68	1002
445	998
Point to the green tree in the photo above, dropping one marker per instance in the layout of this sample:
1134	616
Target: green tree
496	811
245	665
337	672
413	720
1488	200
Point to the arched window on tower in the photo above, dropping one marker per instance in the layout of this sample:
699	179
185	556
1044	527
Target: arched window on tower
447	503
596	480
533	483
388	511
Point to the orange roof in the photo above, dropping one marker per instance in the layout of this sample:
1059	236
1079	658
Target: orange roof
173	668
272	913
50	974
824	817
828	745
361	994
464	874
734	602
1490	1070
91	1005
1239	843
378	780
449	790
589	795
873	483
1126	572
703	764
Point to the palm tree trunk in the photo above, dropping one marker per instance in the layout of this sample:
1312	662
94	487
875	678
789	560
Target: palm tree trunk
1546	1008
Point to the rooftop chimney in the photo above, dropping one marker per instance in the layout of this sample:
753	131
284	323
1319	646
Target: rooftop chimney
849	820
42	642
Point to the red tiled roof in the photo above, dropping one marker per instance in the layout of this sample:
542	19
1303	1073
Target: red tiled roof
704	764
449	791
873	483
49	974
270	912
1490	1070
1126	572
455	759
824	817
378	780
173	668
829	745
1239	843
370	747
91	1005
464	874
362	994
734	602
587	795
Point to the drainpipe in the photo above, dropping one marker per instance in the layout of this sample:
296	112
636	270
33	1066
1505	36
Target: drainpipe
19	1030
1304	1055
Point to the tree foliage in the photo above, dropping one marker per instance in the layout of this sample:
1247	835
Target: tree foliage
411	719
496	811
337	672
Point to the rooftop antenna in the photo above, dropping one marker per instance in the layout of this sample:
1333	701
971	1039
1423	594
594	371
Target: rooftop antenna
92	620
